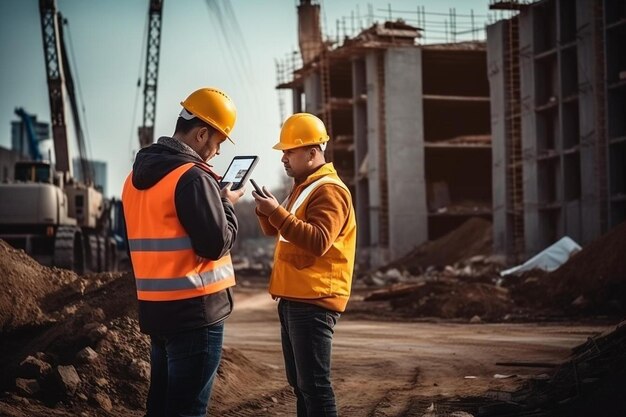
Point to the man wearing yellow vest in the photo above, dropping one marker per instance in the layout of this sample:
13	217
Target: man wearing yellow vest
181	227
313	261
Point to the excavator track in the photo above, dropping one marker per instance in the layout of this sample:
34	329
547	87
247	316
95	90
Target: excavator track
65	252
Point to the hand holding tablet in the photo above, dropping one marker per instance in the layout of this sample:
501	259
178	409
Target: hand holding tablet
239	171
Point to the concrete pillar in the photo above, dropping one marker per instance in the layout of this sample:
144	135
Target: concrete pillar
590	193
312	93
408	215
496	49
359	113
533	241
373	109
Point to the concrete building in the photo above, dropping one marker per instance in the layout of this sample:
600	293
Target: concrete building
408	122
557	72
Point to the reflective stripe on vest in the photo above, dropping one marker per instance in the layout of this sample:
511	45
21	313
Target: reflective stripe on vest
165	265
307	192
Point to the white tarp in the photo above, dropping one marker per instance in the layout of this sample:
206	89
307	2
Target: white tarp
549	259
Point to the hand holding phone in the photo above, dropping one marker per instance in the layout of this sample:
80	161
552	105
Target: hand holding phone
257	188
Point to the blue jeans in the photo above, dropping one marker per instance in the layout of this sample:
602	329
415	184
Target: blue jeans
307	337
183	368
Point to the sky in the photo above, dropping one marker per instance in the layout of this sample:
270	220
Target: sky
107	60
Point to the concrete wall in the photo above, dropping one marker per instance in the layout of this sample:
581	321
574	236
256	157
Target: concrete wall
408	216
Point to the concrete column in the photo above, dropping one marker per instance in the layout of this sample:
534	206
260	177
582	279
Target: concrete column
373	108
590	196
532	230
359	113
408	215
496	49
312	93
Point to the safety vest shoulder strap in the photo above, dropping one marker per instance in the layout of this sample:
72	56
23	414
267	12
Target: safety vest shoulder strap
312	187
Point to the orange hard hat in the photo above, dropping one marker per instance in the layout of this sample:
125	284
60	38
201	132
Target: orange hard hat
302	129
212	106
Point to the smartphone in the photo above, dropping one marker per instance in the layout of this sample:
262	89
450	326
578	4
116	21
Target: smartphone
239	171
258	189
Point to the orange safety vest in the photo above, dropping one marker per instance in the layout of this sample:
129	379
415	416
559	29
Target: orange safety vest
298	274
165	265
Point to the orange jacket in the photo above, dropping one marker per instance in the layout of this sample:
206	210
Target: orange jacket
315	251
165	265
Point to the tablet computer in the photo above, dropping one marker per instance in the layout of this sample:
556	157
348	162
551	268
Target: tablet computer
239	171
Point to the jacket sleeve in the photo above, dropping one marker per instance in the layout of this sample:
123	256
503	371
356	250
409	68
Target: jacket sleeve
327	211
266	226
208	219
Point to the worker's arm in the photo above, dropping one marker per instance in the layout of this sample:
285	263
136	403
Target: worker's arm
208	218
266	226
327	211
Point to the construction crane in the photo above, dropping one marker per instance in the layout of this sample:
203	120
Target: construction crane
45	211
146	130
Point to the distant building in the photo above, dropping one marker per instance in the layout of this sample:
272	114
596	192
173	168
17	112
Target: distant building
99	173
8	158
19	135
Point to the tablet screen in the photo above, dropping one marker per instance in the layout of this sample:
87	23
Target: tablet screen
237	170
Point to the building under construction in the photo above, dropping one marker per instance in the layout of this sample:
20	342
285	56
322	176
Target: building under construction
557	72
407	121
411	126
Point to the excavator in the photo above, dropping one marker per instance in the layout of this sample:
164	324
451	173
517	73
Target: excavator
46	212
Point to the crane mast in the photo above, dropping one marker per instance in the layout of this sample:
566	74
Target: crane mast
146	130
50	22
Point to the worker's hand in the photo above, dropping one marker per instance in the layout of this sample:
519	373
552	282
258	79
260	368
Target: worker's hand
265	204
232	196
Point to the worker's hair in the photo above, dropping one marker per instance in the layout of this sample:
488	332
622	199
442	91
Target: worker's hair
184	126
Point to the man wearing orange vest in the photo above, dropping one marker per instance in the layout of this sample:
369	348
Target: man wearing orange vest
313	261
181	227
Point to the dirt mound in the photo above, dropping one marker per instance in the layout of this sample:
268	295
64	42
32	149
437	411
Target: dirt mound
24	284
71	345
597	274
470	239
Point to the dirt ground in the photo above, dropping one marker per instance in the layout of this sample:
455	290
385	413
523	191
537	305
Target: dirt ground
389	368
383	366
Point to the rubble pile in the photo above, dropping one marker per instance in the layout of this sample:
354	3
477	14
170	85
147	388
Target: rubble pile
71	345
591	283
594	279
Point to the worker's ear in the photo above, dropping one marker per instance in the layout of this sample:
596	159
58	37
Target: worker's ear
203	135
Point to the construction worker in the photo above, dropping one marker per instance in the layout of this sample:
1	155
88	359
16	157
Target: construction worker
181	227
313	260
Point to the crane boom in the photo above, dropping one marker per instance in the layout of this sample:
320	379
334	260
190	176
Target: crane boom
50	22
146	131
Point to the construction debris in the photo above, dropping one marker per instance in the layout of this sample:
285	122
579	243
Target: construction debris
549	259
592	283
589	383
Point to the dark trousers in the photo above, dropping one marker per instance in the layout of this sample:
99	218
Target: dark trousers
183	368
307	336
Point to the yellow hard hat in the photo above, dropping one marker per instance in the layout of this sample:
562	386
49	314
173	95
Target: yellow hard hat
302	129
212	106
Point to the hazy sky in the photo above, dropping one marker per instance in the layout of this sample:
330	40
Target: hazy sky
107	38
